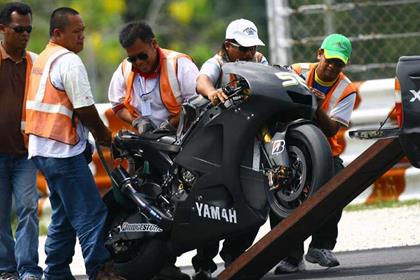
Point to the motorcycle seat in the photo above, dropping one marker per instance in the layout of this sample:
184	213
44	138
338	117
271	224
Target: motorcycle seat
163	141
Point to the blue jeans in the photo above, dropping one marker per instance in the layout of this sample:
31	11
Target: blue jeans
77	210
18	178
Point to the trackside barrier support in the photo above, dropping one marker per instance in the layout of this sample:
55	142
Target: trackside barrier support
335	194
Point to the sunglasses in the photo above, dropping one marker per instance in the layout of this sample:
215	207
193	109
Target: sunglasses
21	29
140	56
242	48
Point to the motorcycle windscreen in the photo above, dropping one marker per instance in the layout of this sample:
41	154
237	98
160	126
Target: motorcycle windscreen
408	74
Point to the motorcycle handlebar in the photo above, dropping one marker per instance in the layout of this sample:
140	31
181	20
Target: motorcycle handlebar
240	85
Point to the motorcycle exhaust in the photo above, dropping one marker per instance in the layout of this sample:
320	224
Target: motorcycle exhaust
124	182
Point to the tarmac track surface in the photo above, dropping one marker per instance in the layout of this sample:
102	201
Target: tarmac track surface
395	263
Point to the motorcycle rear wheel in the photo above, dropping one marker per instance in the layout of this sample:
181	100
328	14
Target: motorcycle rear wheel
312	165
146	259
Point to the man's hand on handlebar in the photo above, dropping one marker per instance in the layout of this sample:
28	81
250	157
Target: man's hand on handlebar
142	125
217	96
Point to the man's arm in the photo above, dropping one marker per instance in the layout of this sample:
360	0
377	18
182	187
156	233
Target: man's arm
90	118
338	117
76	84
124	115
328	126
205	87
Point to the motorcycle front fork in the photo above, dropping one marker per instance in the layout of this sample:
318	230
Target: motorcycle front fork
275	151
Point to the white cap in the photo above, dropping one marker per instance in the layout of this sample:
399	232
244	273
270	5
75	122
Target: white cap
244	32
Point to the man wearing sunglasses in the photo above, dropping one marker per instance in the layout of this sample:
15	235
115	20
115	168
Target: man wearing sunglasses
17	174
149	86
240	44
336	96
147	91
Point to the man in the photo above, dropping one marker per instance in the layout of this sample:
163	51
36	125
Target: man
336	96
241	42
17	173
60	112
149	86
147	91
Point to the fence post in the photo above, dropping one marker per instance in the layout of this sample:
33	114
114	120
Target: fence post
278	13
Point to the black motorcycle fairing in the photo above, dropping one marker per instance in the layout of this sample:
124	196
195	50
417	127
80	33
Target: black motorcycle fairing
279	82
215	151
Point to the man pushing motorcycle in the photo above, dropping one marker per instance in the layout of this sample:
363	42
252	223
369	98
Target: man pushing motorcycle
240	44
336	96
148	88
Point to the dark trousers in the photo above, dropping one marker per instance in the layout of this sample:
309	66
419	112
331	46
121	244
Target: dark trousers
325	237
233	247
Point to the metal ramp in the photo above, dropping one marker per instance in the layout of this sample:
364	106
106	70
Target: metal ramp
335	194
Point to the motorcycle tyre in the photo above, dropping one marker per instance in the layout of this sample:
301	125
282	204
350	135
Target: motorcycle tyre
312	143
152	255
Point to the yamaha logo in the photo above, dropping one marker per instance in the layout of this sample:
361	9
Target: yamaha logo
216	213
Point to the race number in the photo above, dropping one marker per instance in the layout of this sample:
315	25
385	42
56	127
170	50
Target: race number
290	79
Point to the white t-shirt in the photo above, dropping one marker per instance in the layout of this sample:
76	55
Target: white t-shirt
67	73
148	89
342	111
212	69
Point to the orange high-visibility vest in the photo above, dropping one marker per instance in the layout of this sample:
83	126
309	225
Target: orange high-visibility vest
49	111
30	58
340	90
170	91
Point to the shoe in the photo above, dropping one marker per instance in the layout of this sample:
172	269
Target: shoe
202	275
289	265
9	276
171	272
323	257
109	272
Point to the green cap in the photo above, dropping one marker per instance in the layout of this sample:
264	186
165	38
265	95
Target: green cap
337	46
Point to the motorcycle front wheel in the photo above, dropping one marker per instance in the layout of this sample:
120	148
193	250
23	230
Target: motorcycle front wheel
311	166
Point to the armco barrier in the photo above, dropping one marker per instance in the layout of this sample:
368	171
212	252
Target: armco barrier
375	102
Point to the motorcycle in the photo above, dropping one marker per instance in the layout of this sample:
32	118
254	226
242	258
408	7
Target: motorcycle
220	174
